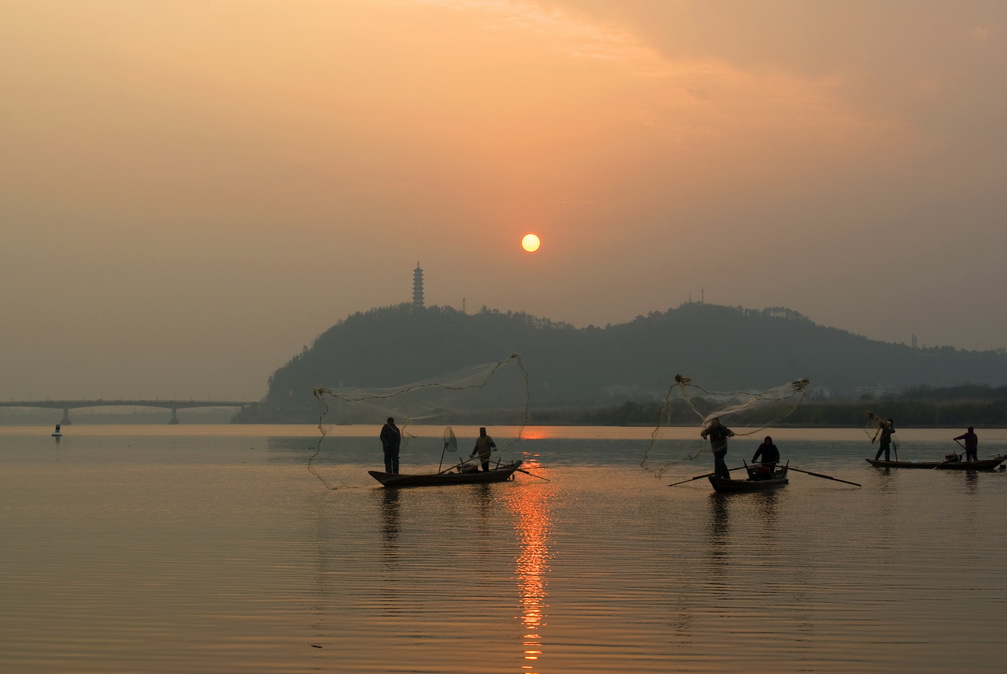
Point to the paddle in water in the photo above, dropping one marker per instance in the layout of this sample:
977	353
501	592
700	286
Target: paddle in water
827	477
522	470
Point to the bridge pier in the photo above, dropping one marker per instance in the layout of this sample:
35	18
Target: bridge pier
66	417
174	416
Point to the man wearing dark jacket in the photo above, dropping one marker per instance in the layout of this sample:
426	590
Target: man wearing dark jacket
391	439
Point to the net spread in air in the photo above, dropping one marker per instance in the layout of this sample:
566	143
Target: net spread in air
496	393
688	403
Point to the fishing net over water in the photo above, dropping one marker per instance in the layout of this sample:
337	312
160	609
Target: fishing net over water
483	394
874	425
687	403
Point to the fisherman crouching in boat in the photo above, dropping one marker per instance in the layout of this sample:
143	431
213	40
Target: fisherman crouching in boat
718	443
770	456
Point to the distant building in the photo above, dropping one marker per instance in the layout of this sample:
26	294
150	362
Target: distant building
418	287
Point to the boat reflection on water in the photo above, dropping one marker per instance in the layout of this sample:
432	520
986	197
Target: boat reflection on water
391	513
720	544
531	524
758	511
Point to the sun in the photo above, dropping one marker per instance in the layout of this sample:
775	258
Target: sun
530	243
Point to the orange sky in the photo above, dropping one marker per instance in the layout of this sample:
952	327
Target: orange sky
190	191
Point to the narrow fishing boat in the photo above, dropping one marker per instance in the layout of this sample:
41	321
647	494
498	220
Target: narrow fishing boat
757	481
948	464
463	475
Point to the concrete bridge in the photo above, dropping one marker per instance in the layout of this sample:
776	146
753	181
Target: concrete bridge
173	405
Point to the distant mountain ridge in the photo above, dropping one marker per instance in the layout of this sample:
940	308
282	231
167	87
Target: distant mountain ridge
721	347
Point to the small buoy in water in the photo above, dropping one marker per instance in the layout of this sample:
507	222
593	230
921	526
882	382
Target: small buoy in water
57	433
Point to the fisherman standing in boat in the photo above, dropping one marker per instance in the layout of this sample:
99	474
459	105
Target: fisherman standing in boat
484	447
770	456
971	444
885	431
718	443
391	440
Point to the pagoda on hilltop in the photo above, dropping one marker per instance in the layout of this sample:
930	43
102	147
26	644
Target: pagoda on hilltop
418	287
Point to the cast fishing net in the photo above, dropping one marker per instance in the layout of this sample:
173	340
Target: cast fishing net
480	395
687	403
873	429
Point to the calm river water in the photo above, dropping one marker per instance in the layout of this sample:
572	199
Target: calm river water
216	549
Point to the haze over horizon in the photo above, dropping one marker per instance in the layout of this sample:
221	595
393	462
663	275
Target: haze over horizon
194	190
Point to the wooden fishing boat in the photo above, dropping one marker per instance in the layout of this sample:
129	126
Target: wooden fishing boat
462	476
979	464
755	481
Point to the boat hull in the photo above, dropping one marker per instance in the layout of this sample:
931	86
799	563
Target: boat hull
728	486
981	464
499	474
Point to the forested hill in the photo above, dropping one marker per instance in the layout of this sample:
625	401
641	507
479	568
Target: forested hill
717	346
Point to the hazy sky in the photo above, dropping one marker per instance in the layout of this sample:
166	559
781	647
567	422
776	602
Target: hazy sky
193	190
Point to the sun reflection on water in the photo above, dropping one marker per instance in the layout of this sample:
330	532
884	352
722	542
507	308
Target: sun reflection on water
531	524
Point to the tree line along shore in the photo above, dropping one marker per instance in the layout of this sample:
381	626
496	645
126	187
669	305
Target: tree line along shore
986	412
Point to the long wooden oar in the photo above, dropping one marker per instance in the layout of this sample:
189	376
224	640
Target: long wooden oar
462	462
700	477
827	477
522	470
947	461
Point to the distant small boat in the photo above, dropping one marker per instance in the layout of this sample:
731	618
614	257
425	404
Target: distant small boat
57	433
755	481
979	464
498	474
